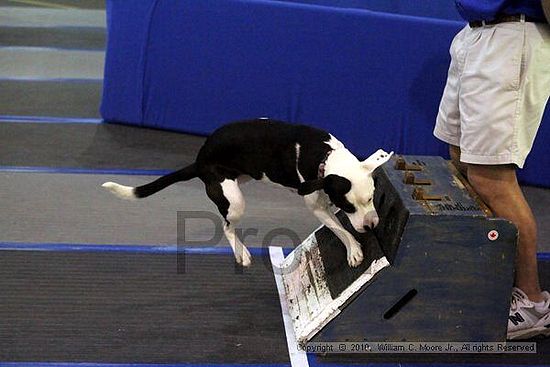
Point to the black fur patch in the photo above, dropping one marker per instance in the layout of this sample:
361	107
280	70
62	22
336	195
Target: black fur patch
336	188
259	147
254	148
308	187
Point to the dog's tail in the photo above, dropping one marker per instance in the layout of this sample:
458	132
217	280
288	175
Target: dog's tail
131	193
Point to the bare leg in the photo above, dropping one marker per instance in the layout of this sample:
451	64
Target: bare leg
498	186
454	151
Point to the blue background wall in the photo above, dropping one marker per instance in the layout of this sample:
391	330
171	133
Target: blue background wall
373	79
440	9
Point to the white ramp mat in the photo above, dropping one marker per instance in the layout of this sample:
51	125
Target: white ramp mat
39	17
298	357
310	303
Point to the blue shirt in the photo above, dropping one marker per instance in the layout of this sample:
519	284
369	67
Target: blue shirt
487	9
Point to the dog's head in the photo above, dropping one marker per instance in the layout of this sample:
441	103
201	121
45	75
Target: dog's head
349	185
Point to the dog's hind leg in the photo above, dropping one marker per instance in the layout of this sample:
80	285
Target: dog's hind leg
230	202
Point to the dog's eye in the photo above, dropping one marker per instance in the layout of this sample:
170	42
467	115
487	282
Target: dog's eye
346	206
343	204
365	203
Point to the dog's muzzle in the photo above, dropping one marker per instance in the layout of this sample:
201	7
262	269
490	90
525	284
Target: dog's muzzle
371	220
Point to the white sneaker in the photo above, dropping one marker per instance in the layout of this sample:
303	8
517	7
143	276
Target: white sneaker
526	321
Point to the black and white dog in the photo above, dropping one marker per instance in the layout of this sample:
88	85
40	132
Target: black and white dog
308	160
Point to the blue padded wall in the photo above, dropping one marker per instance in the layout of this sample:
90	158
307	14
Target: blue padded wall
372	79
424	8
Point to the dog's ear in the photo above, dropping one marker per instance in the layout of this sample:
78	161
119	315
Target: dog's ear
376	160
311	186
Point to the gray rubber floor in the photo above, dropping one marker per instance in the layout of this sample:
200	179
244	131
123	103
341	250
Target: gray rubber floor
113	307
137	308
95	146
73	208
55	98
64	38
37	203
52	54
20	63
49	16
64	208
59	4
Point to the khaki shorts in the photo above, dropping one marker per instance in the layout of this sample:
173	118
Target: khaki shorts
497	88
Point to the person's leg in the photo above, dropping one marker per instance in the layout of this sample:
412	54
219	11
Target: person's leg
454	152
497	185
500	99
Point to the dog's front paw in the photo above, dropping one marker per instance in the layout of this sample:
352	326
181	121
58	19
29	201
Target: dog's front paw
244	258
355	256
